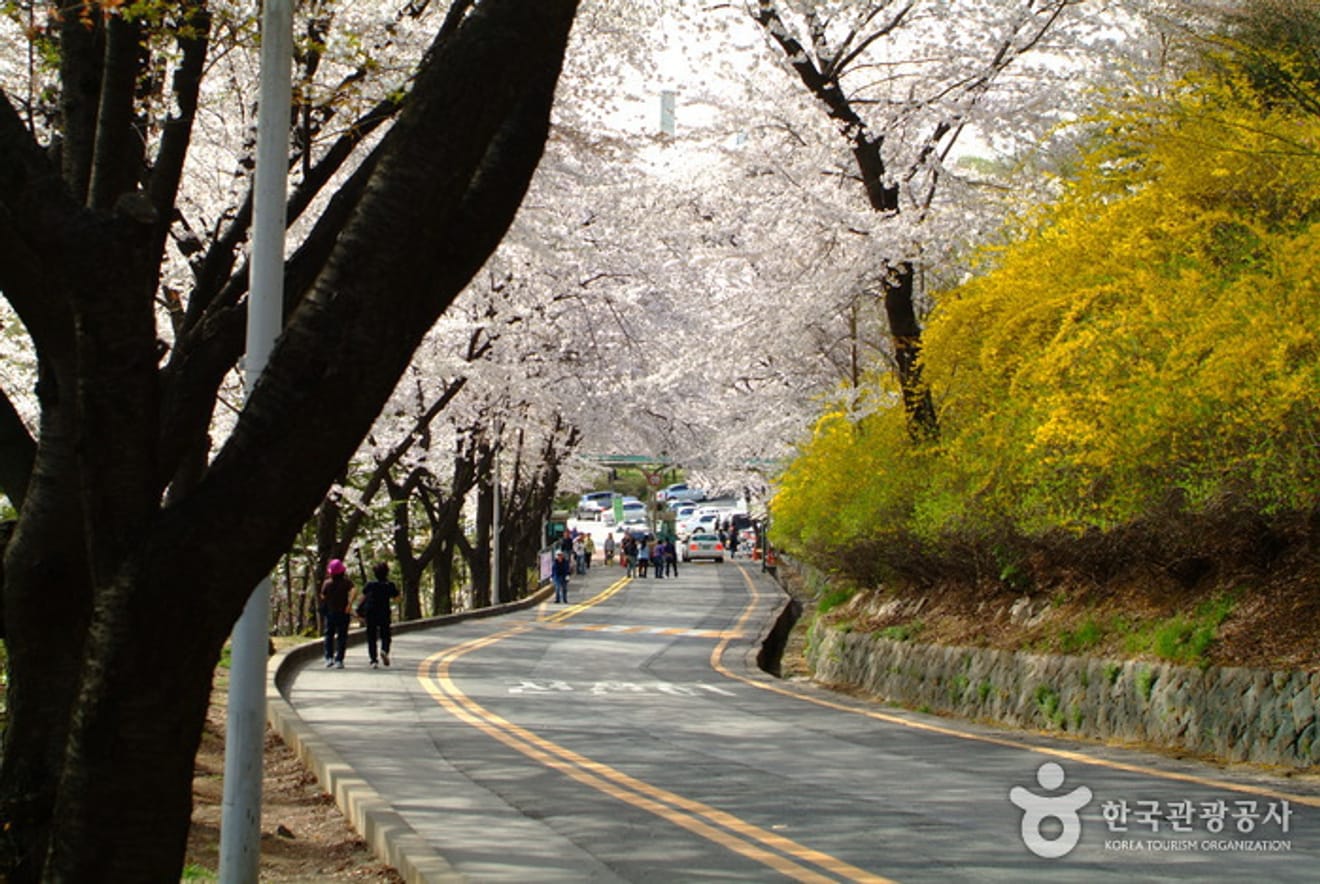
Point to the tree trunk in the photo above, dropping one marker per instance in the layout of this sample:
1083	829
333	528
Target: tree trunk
479	562
108	698
906	333
442	578
45	572
883	196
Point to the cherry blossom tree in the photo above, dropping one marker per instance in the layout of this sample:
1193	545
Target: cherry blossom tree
147	547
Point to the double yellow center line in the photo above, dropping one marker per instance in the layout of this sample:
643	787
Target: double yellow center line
784	855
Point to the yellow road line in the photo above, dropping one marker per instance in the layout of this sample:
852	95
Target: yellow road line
701	819
1066	754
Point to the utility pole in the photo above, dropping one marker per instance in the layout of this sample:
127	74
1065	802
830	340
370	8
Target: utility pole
240	821
496	589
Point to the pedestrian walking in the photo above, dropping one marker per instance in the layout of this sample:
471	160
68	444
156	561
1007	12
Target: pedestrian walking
609	548
671	557
658	559
336	597
628	554
377	597
643	557
588	550
559	572
579	555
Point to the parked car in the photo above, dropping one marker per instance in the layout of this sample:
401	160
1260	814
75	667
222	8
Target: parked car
593	503
635	526
680	491
703	546
704	523
683	510
632	509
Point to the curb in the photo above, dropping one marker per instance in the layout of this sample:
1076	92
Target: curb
387	834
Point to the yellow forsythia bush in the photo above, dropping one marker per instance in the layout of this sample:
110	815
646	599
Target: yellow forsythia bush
1154	336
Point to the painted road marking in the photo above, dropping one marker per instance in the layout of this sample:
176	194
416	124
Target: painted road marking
781	854
601	688
1067	754
620	629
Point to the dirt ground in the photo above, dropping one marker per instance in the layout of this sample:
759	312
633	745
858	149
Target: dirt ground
304	837
1273	624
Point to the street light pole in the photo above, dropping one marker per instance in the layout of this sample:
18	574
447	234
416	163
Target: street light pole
495	586
240	821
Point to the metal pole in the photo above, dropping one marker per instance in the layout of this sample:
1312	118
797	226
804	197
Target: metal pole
240	822
495	535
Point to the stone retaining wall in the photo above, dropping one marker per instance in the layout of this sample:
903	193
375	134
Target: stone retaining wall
1234	714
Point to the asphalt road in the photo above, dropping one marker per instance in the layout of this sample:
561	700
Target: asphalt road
627	736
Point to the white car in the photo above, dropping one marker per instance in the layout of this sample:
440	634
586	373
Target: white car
703	546
697	524
637	527
594	503
680	491
632	509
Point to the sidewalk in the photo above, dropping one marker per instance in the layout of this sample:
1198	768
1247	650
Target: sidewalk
388	835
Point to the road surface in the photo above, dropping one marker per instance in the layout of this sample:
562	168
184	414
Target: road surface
628	736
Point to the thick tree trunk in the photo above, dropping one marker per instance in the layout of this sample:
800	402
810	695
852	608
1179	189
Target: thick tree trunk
47	603
124	797
108	697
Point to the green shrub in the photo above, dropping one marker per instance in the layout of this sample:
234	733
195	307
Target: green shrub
1081	639
1185	640
1047	701
1112	672
1146	678
835	597
902	632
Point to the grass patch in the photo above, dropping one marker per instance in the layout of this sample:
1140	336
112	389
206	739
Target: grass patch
1047	701
902	632
834	598
1185	639
1146	682
1083	638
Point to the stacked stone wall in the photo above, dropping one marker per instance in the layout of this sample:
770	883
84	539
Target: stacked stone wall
1234	714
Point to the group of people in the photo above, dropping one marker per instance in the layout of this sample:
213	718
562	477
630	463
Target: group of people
337	602
578	547
640	554
573	556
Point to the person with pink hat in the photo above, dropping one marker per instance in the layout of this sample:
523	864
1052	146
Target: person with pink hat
336	602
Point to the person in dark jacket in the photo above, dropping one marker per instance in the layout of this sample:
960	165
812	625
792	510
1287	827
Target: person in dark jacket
375	609
559	572
336	600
